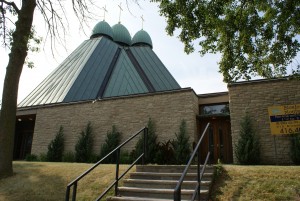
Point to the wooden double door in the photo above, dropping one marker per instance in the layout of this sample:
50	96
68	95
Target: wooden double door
217	139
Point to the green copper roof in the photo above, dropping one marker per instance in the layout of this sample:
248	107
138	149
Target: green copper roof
121	34
101	68
93	73
102	28
142	37
125	79
57	85
154	69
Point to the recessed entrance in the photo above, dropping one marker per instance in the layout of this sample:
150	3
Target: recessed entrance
217	140
23	136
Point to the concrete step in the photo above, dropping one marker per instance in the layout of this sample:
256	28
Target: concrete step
164	184
168	176
126	198
171	168
157	193
157	183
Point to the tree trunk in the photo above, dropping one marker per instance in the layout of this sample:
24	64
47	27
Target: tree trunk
11	84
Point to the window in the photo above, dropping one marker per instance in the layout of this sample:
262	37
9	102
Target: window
215	109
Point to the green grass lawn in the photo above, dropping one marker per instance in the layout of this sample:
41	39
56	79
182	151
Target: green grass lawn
258	183
47	181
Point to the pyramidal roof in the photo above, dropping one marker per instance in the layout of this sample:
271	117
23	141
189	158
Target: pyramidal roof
103	67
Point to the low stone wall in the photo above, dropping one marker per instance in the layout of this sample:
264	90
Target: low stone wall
255	97
129	114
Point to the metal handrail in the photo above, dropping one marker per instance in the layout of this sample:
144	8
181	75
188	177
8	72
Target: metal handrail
115	183
177	190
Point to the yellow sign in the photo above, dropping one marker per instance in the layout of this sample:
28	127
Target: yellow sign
284	119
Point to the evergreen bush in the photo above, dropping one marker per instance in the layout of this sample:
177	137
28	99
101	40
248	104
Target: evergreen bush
43	157
113	139
68	157
31	157
84	145
151	145
125	158
181	145
56	147
247	148
295	149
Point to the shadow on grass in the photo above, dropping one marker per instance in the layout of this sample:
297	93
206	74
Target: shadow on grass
48	181
30	183
218	183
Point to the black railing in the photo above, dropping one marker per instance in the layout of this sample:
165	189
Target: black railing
117	178
177	191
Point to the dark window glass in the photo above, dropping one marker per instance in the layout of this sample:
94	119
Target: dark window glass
215	109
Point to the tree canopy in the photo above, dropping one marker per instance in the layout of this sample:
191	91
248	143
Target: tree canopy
255	38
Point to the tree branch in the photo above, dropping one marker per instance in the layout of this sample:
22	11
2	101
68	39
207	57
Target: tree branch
56	19
11	4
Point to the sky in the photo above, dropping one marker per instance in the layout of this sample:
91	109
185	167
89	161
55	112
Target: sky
199	73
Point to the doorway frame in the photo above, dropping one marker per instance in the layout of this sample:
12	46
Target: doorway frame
202	120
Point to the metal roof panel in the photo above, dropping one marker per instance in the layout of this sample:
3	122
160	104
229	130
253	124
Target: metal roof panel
90	79
155	70
125	79
101	67
55	86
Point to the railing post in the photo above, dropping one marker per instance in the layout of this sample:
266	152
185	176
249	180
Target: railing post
74	191
145	145
209	147
117	172
177	190
68	193
177	194
198	173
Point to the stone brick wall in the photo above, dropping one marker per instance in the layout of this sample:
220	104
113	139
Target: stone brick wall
129	114
256	97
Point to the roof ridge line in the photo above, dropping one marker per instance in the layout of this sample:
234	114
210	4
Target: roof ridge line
140	71
108	74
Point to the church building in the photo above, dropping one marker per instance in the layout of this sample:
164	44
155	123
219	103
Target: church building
115	79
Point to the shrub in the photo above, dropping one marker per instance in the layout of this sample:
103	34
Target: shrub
165	153
247	148
126	158
43	157
295	148
56	147
68	157
84	145
93	158
218	169
31	157
113	139
151	146
181	145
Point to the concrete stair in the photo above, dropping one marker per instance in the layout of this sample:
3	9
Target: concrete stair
157	183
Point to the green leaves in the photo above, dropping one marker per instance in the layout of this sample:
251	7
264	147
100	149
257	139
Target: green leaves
151	143
247	149
295	148
33	45
56	147
181	145
113	139
84	145
254	37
